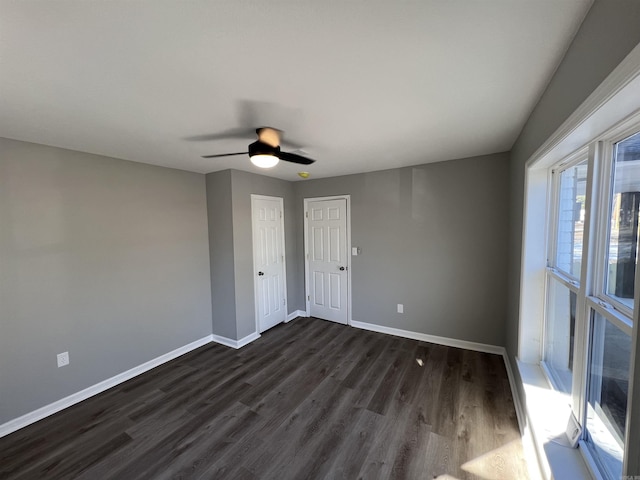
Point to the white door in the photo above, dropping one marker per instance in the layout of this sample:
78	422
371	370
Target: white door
327	258
268	261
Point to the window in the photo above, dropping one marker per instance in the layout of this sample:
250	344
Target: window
624	200
560	334
570	213
603	251
576	309
608	388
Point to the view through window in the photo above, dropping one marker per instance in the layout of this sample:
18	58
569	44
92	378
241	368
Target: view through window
623	228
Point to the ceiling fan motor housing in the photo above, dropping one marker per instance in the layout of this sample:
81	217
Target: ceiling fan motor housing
260	148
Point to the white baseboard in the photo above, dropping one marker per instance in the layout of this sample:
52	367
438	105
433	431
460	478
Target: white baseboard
449	342
248	339
230	342
295	314
515	393
32	417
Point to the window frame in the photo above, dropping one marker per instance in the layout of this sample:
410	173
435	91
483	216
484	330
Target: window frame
590	283
556	171
580	284
617	134
609	314
573	286
612	103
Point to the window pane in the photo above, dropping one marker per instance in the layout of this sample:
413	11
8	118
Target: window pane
607	394
559	334
573	182
623	231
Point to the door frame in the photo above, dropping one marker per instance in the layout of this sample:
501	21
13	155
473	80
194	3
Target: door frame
280	200
307	294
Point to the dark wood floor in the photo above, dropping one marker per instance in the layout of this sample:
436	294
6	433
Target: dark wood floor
309	399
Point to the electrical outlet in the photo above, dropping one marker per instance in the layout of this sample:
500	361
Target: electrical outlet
63	359
400	308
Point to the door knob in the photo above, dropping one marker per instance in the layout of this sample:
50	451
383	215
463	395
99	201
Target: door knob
260	274
341	268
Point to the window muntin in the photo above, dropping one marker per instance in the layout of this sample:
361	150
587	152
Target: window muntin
623	225
559	335
570	212
607	391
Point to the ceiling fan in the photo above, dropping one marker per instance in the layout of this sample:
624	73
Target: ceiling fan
265	152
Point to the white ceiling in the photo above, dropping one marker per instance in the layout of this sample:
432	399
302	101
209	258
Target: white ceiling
362	85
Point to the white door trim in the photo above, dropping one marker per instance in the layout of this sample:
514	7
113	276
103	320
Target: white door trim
306	251
284	257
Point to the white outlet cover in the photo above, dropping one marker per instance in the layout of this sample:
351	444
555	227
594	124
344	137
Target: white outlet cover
63	359
400	308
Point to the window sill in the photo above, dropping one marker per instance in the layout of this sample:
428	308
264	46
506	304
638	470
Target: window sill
548	413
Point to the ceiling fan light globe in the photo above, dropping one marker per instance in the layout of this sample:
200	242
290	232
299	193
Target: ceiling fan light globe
264	161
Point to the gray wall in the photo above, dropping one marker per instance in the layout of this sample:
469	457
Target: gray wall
609	32
223	287
103	258
434	238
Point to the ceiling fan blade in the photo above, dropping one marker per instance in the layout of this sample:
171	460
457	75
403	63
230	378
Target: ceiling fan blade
240	132
286	143
294	158
224	155
254	114
249	112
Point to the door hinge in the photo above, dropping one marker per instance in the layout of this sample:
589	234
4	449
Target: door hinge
280	214
308	297
306	214
284	302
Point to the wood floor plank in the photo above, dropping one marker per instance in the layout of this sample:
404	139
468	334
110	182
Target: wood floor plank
378	345
410	460
166	450
327	440
388	441
441	458
28	448
230	464
297	434
145	436
76	460
197	459
352	352
67	458
277	404
444	422
383	397
308	399
372	374
348	461
266	379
